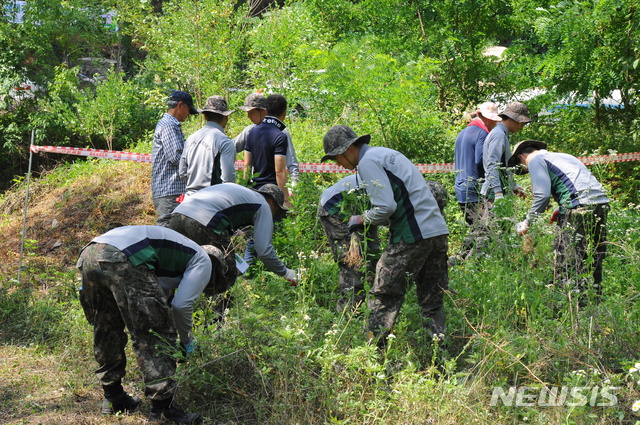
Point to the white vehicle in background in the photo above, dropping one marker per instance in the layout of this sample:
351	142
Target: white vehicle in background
26	90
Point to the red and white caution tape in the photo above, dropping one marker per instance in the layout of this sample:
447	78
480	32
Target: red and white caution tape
98	153
605	159
307	167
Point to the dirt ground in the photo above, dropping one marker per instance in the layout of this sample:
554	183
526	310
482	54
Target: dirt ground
37	389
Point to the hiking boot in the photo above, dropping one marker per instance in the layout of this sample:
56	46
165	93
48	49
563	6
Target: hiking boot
121	404
175	415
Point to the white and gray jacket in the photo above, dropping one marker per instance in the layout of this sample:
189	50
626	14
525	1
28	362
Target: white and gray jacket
224	208
399	196
208	158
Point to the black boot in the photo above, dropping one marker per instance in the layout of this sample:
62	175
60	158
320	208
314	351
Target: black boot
123	403
162	410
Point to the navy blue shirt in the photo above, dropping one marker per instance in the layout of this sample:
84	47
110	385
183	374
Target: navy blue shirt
468	162
264	142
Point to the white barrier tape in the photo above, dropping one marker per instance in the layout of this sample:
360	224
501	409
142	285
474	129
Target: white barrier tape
308	167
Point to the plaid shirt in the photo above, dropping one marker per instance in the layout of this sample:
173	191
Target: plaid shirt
168	143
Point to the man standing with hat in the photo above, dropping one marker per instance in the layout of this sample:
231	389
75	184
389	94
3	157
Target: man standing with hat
497	151
255	105
168	143
209	154
417	250
468	167
582	214
468	157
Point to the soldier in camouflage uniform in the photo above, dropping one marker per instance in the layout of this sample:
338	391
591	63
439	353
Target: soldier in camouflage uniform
417	250
334	222
129	275
211	215
582	212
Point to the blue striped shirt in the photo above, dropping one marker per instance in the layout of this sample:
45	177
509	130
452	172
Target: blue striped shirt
168	143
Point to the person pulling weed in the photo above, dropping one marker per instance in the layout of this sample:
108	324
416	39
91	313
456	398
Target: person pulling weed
417	249
211	215
336	205
581	217
129	276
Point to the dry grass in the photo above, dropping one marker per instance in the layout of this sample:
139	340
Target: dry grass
37	388
61	220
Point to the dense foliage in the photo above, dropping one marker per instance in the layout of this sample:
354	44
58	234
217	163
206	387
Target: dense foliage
405	71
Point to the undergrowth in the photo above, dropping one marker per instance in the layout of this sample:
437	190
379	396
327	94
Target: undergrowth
283	355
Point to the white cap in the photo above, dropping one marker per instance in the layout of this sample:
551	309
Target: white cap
489	110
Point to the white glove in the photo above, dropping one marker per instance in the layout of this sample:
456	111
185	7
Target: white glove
499	195
291	276
522	228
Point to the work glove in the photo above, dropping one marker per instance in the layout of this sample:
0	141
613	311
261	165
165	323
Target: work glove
554	216
291	276
355	224
498	196
522	228
187	349
520	192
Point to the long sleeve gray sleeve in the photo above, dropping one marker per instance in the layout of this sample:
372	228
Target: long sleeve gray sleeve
292	160
263	237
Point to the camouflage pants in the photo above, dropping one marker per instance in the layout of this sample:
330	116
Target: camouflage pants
164	207
225	270
581	238
423	262
352	278
471	211
115	295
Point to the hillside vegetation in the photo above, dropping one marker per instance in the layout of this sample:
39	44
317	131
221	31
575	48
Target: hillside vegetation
282	355
407	72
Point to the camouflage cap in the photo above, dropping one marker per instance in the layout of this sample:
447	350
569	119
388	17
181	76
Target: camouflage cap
254	101
517	150
275	193
439	192
338	139
517	111
217	105
214	252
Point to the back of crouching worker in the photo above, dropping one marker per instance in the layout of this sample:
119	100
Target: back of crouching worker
129	276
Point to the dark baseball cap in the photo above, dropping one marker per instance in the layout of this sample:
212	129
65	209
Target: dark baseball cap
184	97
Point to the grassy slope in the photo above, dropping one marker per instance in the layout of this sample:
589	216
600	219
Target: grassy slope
284	356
